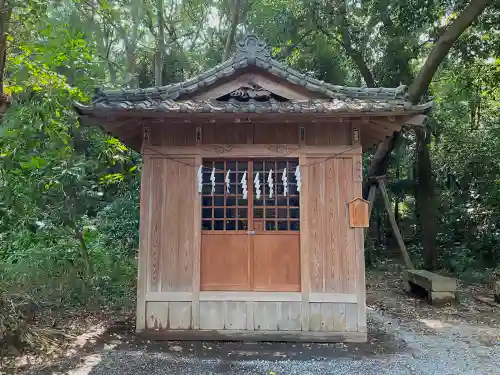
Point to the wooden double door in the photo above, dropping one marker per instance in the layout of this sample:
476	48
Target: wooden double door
250	224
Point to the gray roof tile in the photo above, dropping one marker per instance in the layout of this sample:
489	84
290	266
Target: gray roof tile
271	106
252	51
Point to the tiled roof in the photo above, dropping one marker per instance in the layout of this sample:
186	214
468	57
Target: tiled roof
253	106
252	52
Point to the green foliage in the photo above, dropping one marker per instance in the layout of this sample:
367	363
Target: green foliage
69	195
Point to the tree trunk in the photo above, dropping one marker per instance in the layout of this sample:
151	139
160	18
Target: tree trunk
5	18
396	198
5	14
425	199
443	45
160	44
84	253
354	54
235	15
425	194
421	83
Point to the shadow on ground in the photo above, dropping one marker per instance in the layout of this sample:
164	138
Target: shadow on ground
119	338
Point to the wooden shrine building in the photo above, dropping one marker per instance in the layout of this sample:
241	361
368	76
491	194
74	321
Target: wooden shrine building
251	219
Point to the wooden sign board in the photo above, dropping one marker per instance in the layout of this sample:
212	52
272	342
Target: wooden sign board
358	213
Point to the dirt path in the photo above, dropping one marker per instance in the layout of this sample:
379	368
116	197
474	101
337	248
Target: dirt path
406	336
393	348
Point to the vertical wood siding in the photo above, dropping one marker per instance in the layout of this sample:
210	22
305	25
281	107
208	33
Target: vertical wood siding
331	256
331	241
171	240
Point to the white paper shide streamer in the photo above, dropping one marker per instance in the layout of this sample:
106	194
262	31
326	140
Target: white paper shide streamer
285	182
227	180
256	182
244	185
297	177
270	183
200	179
212	178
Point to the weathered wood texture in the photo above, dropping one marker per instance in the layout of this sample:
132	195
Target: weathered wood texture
253	316
316	134
277	262
331	242
358	213
431	281
440	289
242	335
225	262
329	297
171	217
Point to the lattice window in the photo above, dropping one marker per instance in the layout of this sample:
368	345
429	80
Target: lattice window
227	209
223	210
280	212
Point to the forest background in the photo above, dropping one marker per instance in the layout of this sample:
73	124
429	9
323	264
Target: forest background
69	195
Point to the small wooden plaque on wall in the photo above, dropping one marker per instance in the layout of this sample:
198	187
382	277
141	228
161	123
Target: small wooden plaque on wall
358	213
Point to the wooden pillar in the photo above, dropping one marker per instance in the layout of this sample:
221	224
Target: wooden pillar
144	223
359	239
305	276
195	305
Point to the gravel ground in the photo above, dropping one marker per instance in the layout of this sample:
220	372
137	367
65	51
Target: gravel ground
394	348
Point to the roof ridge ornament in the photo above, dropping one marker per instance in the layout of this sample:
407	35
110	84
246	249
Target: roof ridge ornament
252	46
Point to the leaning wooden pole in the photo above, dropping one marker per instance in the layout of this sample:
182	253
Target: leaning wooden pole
394	224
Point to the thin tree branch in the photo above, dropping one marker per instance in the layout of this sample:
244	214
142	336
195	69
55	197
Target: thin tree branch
443	45
289	49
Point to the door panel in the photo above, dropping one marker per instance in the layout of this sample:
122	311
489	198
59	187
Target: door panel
225	262
276	262
250	242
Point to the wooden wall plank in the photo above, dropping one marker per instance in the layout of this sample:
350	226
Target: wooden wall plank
289	317
351	316
339	317
256	151
170	228
344	178
212	315
234	134
315	317
175	135
235	315
328	316
179	315
265	316
333	297
332	247
280	133
172	244
169	296
156	224
305	271
350	284
250	296
186	241
315	193
332	317
250	323
335	133
157	315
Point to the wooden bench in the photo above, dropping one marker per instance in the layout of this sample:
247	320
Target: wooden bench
439	289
